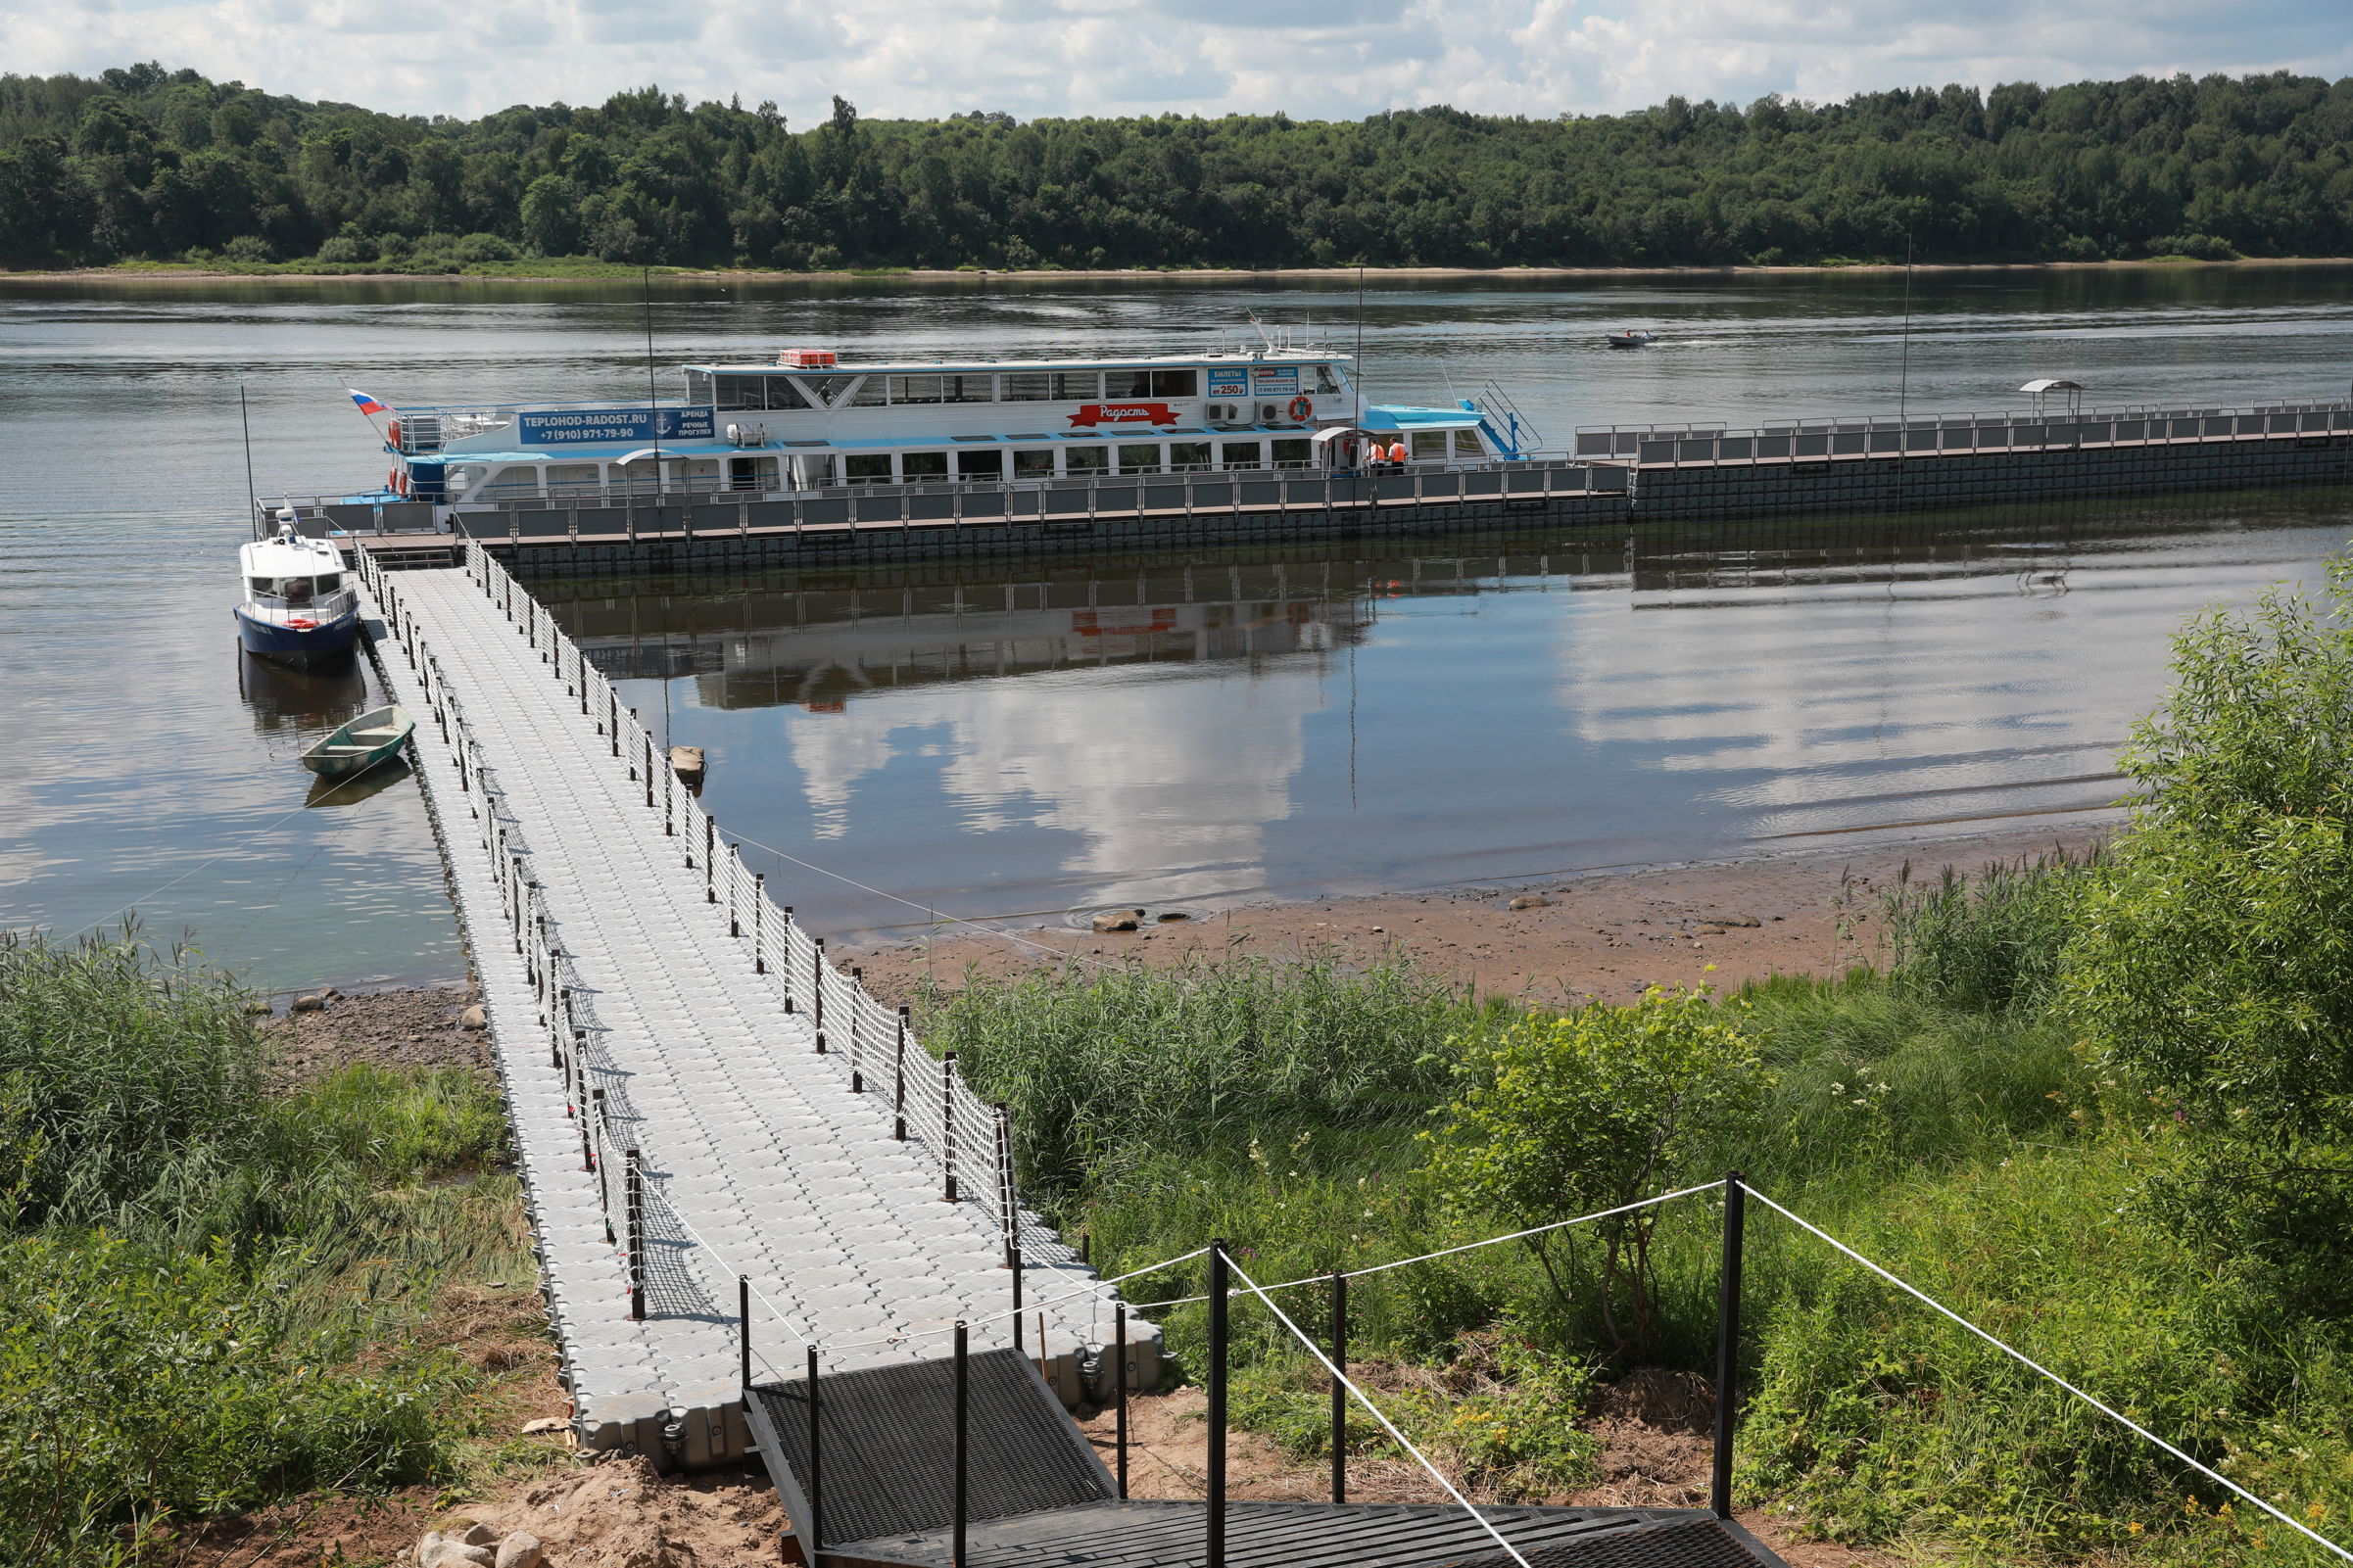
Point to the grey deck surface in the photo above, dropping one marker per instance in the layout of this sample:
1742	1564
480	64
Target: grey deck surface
758	1158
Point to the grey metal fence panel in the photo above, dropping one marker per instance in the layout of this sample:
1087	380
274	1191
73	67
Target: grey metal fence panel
483	525
602	520
1655	451
1529	482
405	517
1439	486
880	508
931	508
1213	493
774	513
1483	484
1066	502
985	505
722	517
543	524
1163	497
827	511
1116	498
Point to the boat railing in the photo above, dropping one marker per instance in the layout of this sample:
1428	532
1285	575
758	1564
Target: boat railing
322	606
2012	430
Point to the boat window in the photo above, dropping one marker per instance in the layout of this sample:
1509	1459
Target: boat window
915	389
329	582
968	389
1292	454
1033	464
1467	444
573	479
1244	454
1175	383
1429	444
866	468
1026	386
1127	383
811	471
1086	460
918	467
1139	458
1077	386
1188	456
826	390
294	590
980	465
1325	381
872	392
259	585
698	386
783	393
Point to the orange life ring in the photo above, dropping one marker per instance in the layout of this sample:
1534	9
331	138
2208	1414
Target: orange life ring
393	427
1301	407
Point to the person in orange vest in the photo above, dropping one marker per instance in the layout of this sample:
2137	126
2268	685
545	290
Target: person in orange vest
1396	451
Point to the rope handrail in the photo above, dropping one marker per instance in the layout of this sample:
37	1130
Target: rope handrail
2022	1360
1403	1442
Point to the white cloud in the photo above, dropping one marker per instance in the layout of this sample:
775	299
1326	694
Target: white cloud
1317	58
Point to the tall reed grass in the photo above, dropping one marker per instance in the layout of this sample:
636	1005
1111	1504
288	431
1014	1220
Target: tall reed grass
215	1290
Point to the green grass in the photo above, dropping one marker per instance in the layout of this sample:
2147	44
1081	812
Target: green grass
1933	1118
213	1295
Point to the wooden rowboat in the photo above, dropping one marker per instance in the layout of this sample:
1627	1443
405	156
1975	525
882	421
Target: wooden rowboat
361	743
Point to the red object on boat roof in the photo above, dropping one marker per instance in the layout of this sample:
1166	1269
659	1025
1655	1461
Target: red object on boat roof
808	358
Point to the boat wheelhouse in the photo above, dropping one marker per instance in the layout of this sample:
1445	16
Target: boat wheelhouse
812	422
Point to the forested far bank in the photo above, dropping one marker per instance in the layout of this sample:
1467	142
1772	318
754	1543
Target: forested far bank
141	164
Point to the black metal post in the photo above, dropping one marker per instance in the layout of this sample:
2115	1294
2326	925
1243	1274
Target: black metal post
743	1325
1218	1287
857	984
788	945
956	1469
636	1238
1119	1392
898	1093
710	860
649	771
1339	1390
613	718
817	988
947	1126
816	1475
1727	1341
1013	1259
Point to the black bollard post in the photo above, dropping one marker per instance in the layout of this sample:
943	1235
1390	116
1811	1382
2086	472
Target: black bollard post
1727	1341
1218	1305
1013	1261
898	1093
637	1237
710	860
743	1325
816	1477
957	1465
1119	1393
817	990
1339	1390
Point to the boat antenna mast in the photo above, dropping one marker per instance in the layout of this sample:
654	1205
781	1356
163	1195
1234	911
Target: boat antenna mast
1356	370
653	411
245	423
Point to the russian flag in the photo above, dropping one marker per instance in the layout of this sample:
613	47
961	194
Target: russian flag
367	404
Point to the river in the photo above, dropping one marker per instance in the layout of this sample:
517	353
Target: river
1015	740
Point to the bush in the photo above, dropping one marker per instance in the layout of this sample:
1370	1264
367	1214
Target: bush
2197	247
485	248
345	250
1594	1111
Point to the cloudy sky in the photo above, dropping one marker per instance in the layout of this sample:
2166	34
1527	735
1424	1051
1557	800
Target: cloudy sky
1310	58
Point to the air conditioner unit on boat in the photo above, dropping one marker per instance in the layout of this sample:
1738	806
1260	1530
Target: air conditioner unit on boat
1270	414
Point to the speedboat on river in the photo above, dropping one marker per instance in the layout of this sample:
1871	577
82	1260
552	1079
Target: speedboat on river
296	609
816	420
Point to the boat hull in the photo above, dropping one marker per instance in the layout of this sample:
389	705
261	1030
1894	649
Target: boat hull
299	645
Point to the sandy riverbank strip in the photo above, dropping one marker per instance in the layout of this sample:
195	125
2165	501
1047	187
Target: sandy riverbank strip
1594	938
1207	274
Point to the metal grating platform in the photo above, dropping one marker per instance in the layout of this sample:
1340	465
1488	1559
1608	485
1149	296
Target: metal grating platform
1037	1496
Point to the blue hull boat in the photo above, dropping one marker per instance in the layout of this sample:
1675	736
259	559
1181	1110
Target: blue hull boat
289	643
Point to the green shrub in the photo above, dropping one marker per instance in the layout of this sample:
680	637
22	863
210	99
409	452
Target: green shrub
344	249
485	248
1577	1115
1988	944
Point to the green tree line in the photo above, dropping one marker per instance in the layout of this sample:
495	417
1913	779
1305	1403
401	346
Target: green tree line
146	163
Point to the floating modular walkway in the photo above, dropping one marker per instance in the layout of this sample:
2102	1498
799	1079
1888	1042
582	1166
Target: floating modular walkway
706	1112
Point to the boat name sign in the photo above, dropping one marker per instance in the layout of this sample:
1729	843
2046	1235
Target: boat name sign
1120	414
614	424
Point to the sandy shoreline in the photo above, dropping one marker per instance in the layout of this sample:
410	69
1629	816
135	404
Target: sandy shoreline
1602	936
1142	274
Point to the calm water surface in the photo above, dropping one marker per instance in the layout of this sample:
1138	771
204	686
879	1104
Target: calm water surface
1044	736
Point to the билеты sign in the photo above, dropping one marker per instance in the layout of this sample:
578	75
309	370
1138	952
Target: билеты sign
575	425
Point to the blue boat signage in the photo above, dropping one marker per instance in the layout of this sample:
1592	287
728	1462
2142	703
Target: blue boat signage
1270	382
1224	383
564	426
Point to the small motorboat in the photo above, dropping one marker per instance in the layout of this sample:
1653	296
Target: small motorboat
297	610
1631	340
361	743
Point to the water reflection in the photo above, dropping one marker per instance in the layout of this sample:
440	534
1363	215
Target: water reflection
301	702
1412	711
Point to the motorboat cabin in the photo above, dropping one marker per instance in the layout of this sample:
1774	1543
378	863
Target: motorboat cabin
814	421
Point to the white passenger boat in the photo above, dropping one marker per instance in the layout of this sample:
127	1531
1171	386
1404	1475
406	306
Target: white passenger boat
815	420
297	607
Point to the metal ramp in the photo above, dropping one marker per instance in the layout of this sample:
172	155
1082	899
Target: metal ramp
879	1494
